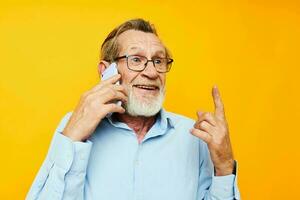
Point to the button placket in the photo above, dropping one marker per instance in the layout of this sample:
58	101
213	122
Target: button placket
138	173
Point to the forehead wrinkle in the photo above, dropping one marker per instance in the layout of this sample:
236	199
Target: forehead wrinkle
141	42
158	51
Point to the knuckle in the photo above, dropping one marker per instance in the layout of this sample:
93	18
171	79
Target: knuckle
202	124
113	106
105	88
94	104
119	87
196	132
109	92
207	136
113	92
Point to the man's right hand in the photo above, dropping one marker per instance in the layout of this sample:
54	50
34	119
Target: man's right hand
93	106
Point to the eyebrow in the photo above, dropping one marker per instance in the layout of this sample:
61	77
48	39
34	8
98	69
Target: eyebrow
134	47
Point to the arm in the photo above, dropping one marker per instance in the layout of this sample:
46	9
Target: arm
212	187
217	162
62	174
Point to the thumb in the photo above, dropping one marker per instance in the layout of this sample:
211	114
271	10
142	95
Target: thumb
199	113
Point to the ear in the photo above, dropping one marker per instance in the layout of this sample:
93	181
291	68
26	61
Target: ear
102	66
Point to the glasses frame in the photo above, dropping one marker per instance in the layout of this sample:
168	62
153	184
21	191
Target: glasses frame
169	63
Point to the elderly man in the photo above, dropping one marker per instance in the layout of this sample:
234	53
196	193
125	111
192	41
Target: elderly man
141	151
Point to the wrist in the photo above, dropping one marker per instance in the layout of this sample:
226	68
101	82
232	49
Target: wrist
72	136
225	169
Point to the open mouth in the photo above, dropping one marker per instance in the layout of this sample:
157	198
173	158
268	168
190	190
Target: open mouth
146	87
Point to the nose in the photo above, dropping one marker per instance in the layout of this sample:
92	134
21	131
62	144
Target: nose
150	71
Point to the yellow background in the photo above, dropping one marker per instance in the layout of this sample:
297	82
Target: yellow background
250	49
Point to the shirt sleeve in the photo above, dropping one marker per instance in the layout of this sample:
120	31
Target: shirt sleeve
213	187
62	174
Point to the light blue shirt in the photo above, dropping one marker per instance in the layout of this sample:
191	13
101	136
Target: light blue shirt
169	164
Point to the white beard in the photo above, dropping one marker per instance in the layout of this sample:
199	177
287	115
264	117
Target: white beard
147	108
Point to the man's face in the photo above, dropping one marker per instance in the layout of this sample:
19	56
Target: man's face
146	88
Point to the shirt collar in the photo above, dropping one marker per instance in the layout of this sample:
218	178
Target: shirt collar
164	120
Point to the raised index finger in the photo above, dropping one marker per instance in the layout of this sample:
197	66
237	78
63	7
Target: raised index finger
219	107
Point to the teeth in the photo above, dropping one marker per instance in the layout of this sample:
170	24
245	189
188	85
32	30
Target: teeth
146	87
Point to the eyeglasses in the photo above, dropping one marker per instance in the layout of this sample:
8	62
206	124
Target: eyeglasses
139	63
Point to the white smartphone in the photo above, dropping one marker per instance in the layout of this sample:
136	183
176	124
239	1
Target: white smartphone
108	73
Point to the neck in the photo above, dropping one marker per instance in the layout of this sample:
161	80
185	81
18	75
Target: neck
139	124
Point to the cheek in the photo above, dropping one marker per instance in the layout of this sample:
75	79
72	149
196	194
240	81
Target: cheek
125	73
127	77
163	79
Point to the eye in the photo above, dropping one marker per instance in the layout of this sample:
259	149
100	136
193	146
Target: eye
136	59
158	61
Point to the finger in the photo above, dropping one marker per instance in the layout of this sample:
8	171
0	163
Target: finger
205	126
120	88
113	96
114	87
107	95
112	107
111	80
206	116
219	107
206	137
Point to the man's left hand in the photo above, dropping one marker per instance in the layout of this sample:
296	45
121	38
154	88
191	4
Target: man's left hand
212	128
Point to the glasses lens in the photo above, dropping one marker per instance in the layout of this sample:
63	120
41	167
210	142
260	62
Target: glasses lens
136	62
161	64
